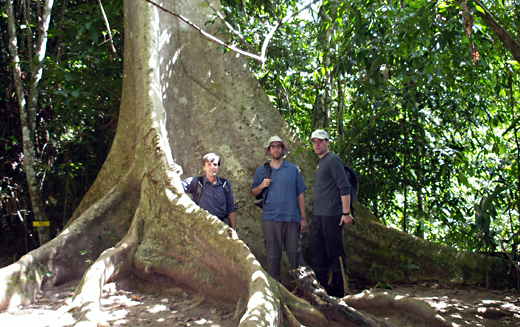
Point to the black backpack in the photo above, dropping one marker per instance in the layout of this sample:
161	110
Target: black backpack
260	198
198	193
353	181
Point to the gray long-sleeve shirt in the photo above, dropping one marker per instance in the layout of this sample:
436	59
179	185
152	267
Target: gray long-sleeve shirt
330	183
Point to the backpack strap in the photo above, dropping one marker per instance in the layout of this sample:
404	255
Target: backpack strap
225	185
267	167
200	183
198	193
353	181
354	186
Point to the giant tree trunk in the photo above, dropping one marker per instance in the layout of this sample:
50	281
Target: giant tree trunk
182	98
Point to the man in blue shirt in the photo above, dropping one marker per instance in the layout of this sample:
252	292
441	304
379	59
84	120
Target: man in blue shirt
215	192
331	213
283	218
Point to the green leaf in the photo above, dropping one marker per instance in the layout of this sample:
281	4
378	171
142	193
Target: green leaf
463	180
479	8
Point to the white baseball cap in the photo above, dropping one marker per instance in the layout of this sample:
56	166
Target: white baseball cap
319	134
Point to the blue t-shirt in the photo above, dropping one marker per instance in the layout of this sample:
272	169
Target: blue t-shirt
213	197
286	184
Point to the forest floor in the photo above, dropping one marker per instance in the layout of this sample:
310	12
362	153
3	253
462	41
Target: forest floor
134	302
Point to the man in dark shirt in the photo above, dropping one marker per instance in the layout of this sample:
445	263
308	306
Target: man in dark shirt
216	196
331	212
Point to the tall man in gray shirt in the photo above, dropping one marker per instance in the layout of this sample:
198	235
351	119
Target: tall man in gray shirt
331	212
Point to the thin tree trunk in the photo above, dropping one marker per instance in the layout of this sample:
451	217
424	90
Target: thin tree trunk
517	142
420	232
322	103
405	180
340	126
28	111
28	32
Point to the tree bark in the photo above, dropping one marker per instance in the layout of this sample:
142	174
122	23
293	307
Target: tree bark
183	98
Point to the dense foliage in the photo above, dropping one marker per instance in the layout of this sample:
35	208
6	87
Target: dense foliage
79	97
419	97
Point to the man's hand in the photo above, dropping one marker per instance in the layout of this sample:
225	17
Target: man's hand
347	219
265	183
257	190
176	168
303	224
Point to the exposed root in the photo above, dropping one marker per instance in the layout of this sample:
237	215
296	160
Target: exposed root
58	260
289	318
303	310
20	282
197	301
372	303
112	264
239	310
263	306
419	313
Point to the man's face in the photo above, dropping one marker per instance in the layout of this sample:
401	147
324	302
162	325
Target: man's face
211	168
321	146
276	150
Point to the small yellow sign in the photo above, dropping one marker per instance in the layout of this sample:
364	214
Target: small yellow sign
41	223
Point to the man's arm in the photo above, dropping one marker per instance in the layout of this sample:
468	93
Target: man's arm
230	205
233	220
345	202
301	207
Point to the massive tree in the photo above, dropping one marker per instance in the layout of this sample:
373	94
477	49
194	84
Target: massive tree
182	97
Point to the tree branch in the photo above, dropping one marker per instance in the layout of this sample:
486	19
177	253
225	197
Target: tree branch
209	36
511	259
277	25
237	33
507	40
261	58
108	27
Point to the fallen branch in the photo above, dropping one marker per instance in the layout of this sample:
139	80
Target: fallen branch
333	308
345	281
511	259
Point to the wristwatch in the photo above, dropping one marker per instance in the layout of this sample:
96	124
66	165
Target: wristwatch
346	214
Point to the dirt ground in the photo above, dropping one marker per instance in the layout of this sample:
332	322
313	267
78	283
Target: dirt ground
133	302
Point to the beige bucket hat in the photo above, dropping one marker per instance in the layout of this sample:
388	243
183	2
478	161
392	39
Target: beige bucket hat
276	139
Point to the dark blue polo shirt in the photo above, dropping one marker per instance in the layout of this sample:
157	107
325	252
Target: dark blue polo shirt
213	197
